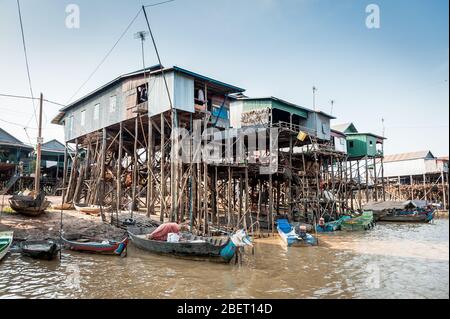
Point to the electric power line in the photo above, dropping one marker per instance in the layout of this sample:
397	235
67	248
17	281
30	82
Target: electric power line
114	46
158	3
30	98
106	56
26	61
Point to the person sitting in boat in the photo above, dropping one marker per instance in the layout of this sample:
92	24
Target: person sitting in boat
301	231
321	224
164	230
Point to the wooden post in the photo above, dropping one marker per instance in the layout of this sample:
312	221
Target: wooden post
65	168
359	185
425	187
163	178
259	204
37	178
411	185
119	173
230	176
351	189
367	180
444	193
246	202
382	178
270	212
241	194
215	212
205	198
102	174
291	150
150	207
135	165
375	175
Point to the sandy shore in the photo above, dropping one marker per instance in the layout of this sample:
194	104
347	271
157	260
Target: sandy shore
48	224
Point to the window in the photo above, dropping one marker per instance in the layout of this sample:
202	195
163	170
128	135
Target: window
342	141
141	94
371	143
96	111
351	144
112	103
325	128
83	117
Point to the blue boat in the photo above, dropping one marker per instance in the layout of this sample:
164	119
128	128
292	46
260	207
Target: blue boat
290	237
332	226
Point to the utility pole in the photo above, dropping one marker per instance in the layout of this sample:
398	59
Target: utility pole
37	178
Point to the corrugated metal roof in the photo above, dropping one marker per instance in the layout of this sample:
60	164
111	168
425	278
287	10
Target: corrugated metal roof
341	127
54	146
7	138
408	156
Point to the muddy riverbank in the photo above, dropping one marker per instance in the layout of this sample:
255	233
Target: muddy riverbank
48	224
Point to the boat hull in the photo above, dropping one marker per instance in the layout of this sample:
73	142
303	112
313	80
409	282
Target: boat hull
332	226
6	239
361	223
97	246
44	250
204	249
28	206
291	238
407	219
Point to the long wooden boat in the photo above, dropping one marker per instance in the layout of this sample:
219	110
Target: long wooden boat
95	246
6	239
332	226
360	223
191	246
93	210
43	249
413	217
290	237
29	205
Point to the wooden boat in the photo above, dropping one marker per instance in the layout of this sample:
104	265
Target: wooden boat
360	223
44	249
29	205
332	226
95	246
6	239
409	217
191	246
93	210
290	237
65	206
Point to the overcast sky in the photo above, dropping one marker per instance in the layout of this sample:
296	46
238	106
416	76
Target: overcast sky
398	72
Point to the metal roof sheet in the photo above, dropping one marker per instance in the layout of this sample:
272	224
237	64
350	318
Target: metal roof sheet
408	156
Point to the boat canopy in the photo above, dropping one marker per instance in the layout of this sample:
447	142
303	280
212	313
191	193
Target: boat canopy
397	205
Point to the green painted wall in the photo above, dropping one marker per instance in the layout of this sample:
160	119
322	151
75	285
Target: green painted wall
356	145
361	145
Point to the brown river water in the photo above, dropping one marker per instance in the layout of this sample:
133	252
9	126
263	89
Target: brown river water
391	261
